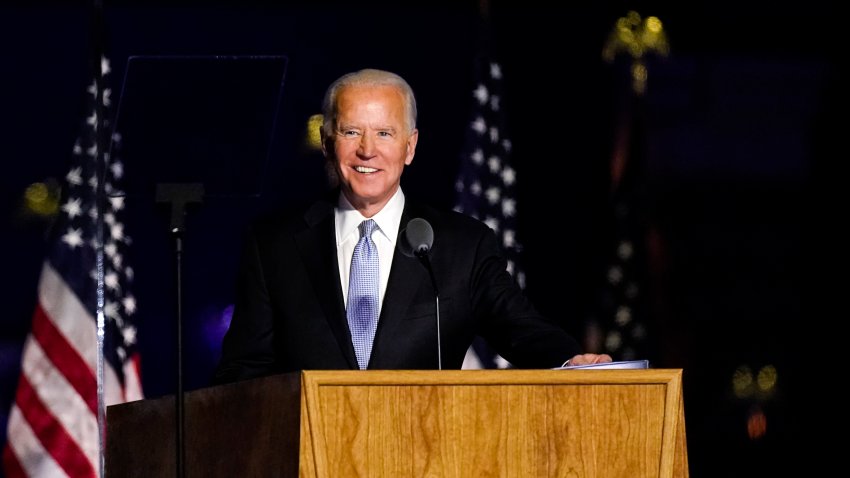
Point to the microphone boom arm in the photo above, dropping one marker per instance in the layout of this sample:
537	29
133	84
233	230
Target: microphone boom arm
423	257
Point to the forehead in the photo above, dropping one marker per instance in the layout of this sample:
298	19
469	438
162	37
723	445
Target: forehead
375	100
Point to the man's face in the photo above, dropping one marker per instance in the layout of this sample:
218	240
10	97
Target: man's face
371	145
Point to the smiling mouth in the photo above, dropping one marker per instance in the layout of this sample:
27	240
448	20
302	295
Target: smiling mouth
364	169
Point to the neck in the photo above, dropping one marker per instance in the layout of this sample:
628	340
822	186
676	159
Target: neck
368	209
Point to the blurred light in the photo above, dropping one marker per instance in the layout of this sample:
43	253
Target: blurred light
216	321
756	423
625	250
638	37
767	377
41	199
653	24
314	132
615	275
742	381
639	76
639	331
613	341
639	72
623	315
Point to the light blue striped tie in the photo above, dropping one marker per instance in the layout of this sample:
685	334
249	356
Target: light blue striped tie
363	293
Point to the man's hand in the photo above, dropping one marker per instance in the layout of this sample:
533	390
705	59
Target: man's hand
587	359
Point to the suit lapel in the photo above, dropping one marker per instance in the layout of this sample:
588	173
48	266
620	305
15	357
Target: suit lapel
318	247
405	279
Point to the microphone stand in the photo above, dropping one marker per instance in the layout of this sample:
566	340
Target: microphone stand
178	196
422	254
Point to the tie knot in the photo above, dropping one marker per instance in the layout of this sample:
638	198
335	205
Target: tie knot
367	227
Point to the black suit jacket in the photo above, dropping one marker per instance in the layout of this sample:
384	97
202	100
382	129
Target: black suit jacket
289	313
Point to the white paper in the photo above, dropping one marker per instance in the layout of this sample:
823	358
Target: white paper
626	364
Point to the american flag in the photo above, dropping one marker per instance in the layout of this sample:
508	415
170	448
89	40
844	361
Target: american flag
621	330
486	184
54	428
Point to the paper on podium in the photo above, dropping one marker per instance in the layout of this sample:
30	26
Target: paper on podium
626	364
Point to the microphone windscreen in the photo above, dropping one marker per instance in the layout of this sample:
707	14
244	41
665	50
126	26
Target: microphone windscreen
417	237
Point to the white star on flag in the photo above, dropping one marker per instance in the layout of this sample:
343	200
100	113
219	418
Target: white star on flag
75	176
74	238
104	66
117	169
110	280
129	303
73	208
477	156
493	194
508	238
494	164
129	334
496	71
478	125
508	207
481	94
508	176
488	182
117	202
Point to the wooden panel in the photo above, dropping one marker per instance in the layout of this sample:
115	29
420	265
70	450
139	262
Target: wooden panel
242	429
486	423
448	424
680	460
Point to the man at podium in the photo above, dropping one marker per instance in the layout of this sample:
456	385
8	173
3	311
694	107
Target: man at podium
354	281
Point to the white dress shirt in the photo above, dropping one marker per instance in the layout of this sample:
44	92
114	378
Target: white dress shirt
347	220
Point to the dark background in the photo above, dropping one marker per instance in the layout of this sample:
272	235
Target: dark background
741	143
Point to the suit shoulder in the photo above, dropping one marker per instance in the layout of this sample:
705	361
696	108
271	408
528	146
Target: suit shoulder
290	219
452	221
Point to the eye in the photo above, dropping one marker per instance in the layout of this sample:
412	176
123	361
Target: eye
385	134
349	133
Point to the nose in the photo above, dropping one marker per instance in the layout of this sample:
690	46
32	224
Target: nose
367	147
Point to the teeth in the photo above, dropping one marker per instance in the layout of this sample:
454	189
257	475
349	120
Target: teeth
364	169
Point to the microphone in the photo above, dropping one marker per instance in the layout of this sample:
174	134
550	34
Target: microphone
417	239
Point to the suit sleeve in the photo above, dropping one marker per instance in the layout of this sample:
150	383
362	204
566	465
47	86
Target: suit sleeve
506	318
248	348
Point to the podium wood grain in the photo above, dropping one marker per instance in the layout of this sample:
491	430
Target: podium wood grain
508	423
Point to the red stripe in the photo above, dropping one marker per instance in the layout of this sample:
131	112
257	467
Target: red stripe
65	357
53	436
11	465
136	365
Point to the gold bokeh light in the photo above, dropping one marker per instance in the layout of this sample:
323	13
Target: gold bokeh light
766	378
314	132
742	381
40	199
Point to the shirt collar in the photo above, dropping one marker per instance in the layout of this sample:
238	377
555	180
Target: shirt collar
388	219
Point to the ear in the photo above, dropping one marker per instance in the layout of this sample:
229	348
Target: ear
411	146
325	140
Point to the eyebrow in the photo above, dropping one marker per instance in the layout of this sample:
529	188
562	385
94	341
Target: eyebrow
345	126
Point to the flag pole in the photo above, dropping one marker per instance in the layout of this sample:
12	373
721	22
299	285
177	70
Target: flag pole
100	127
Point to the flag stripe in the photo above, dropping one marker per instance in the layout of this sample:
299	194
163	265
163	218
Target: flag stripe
65	358
27	450
132	384
50	432
59	301
12	466
77	326
59	397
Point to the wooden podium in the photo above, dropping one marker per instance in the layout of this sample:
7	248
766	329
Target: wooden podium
502	423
